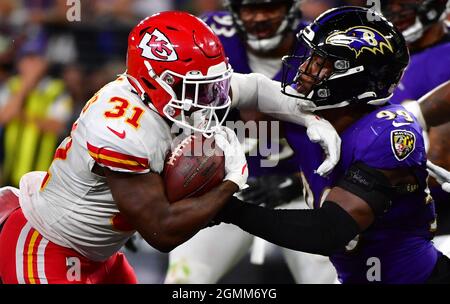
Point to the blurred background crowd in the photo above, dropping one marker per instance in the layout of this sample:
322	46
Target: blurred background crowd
50	66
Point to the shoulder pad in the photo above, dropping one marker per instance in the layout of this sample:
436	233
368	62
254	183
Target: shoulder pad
390	138
221	23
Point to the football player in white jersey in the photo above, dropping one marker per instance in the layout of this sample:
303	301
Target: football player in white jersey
256	34
67	224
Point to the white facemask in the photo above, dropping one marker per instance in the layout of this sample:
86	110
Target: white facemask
265	45
414	32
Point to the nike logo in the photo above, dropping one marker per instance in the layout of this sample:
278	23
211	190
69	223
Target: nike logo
243	169
120	135
399	124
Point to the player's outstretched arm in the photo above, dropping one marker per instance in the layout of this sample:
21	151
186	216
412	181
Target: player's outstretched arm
433	109
256	91
142	200
349	209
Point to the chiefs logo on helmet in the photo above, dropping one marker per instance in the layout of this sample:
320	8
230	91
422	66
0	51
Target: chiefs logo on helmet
156	46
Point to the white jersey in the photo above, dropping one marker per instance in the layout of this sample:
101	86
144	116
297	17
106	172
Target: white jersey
72	206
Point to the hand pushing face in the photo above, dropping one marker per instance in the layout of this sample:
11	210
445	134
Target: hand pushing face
312	72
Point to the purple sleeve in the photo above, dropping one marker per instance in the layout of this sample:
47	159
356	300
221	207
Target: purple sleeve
391	147
427	70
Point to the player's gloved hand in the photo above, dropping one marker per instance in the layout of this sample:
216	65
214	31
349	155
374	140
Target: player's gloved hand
272	190
441	175
235	162
320	131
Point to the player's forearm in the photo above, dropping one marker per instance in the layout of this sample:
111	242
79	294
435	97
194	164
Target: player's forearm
322	231
141	199
186	217
256	91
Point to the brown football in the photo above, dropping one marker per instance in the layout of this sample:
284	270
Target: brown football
193	168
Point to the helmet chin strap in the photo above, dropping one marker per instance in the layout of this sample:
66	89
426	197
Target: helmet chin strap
135	83
414	32
140	91
158	79
265	45
268	44
314	108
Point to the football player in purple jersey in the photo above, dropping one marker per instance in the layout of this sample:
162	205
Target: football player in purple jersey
372	215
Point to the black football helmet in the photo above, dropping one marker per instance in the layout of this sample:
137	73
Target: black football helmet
361	60
289	22
418	14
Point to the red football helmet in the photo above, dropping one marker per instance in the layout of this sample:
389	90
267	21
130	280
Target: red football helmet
179	63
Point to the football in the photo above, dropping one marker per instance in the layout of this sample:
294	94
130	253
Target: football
193	168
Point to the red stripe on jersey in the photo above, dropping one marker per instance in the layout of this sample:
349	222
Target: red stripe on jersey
61	153
117	159
35	259
45	180
118	165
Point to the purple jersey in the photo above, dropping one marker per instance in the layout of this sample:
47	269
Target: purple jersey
387	138
222	25
427	69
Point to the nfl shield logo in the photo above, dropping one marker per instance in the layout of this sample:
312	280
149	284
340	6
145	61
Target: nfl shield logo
402	143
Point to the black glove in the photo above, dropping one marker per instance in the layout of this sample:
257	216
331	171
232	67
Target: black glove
272	190
229	211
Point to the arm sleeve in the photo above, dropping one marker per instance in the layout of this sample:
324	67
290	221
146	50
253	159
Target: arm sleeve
256	91
320	231
392	148
128	154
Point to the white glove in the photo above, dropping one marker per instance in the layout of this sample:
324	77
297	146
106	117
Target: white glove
441	175
235	162
320	131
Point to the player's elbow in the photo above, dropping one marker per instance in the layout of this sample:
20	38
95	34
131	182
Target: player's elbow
323	231
162	243
153	229
164	248
163	236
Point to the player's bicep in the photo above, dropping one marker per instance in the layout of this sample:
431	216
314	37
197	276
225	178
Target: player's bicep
118	148
140	197
110	157
354	205
365	192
